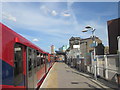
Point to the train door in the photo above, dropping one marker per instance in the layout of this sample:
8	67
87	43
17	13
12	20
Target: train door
31	68
18	65
30	78
35	67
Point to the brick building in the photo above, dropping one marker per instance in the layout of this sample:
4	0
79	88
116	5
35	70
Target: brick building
113	33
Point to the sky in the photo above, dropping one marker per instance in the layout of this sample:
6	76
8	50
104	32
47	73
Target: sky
54	23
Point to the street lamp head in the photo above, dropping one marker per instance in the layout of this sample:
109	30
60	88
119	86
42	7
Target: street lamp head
84	30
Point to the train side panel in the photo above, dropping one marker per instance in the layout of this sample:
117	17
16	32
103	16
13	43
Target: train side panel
13	54
8	58
0	55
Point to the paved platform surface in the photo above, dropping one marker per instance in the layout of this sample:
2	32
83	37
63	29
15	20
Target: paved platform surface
63	76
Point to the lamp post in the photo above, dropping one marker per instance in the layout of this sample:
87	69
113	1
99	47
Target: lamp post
89	28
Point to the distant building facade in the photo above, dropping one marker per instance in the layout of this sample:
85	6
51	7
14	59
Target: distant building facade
52	49
82	47
106	50
100	49
113	33
74	42
86	49
63	48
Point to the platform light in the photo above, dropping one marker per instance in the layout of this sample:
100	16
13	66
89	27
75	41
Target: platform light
84	30
88	27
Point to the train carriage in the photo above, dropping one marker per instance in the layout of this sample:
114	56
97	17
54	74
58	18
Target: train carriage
24	65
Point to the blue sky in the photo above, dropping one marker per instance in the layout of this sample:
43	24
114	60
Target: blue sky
53	23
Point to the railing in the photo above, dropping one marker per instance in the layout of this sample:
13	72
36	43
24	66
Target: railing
107	66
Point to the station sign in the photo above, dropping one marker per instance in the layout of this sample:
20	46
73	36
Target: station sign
95	59
76	46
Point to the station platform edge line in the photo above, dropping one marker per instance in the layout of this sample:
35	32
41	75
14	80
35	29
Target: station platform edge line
47	75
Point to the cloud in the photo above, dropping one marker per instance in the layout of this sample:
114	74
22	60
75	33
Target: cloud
52	10
44	9
35	40
50	29
48	11
8	17
31	38
54	13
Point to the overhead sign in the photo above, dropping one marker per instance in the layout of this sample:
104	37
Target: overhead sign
95	59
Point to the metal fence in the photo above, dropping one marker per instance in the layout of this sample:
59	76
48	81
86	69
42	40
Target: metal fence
107	66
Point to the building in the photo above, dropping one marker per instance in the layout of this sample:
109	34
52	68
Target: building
113	33
84	46
61	53
52	49
73	52
100	49
81	48
86	49
63	48
106	50
74	42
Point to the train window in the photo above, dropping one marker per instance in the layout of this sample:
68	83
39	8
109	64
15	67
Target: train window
29	59
46	59
35	61
41	59
18	64
38	59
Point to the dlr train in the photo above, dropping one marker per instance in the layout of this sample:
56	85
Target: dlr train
22	64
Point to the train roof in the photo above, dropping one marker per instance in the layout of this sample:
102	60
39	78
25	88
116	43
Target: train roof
21	39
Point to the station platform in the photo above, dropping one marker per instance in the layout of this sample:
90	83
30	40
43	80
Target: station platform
63	76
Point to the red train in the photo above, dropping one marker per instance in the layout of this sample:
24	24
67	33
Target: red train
22	64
